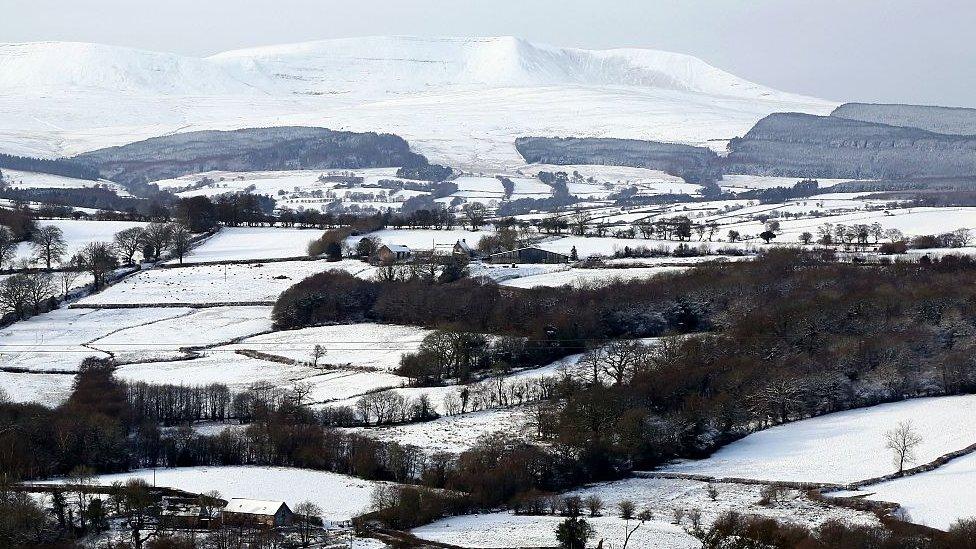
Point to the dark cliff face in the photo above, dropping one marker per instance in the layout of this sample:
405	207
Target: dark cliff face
801	145
283	148
944	120
694	164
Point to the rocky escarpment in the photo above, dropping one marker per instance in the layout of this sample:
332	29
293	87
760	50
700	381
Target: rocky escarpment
282	148
800	145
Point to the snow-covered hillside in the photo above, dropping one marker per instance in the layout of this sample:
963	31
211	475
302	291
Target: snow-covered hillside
458	100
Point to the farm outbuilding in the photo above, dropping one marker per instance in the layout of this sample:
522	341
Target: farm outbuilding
529	254
256	513
392	253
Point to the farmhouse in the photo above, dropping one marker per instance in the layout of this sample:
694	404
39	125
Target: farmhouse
529	254
256	513
462	248
391	253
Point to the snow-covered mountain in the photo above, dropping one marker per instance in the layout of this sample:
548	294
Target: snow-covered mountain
458	100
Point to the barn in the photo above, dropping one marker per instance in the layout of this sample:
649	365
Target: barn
256	513
529	254
392	253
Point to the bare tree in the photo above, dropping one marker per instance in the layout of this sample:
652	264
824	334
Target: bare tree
902	441
82	482
137	502
49	244
8	246
98	258
181	240
622	358
307	515
299	391
23	293
474	213
68	273
157	236
317	353
580	219
128	242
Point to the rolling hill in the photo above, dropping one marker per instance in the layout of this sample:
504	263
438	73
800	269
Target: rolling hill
461	101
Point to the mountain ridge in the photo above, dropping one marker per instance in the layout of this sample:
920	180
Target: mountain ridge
404	63
458	101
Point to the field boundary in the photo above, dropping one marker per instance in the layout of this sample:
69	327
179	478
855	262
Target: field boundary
247	261
171	305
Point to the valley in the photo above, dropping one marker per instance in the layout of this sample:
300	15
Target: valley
476	292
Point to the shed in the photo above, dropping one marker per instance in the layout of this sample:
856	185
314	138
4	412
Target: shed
529	254
391	253
256	513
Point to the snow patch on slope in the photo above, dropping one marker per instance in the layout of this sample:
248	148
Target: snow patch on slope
77	65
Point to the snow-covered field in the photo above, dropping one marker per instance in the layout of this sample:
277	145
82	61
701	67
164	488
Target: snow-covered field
911	221
842	447
192	328
341	497
497	530
659	496
251	283
767	182
935	498
18	179
378	346
239	372
50	389
455	434
236	243
78	233
61	339
588	277
663	496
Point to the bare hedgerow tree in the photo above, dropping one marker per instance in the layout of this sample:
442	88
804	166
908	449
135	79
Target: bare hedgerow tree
49	244
300	391
67	274
180	240
8	246
157	236
306	521
317	353
23	293
82	482
902	441
622	358
98	258
128	242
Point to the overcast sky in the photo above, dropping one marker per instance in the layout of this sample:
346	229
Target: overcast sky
910	51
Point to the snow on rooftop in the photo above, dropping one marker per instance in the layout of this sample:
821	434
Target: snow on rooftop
253	506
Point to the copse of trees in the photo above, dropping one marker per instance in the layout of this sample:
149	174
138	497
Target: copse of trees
426	172
19	221
63	167
563	317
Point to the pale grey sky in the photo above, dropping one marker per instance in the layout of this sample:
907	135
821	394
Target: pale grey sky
910	51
